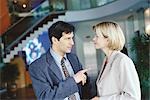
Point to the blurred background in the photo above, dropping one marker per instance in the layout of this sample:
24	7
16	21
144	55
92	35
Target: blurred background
24	38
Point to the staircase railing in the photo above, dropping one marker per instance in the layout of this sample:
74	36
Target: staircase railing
25	26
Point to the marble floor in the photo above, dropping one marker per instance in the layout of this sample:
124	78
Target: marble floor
20	94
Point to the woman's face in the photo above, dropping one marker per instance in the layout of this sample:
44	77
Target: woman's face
100	41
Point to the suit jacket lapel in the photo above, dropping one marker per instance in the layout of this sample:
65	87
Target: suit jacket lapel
53	66
99	75
109	65
105	72
73	63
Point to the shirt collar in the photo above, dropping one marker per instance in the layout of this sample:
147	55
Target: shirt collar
56	56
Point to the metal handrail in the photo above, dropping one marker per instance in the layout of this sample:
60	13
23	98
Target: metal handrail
9	45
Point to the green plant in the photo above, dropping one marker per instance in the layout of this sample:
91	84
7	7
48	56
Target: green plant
9	73
141	46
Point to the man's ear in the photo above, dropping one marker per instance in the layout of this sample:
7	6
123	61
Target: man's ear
54	40
63	33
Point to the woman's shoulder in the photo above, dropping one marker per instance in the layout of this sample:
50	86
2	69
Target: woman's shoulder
121	56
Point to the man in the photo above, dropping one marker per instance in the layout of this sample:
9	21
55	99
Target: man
49	79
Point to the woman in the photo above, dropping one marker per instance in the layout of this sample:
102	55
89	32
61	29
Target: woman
118	79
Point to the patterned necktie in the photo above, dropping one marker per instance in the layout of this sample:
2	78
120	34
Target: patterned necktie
66	73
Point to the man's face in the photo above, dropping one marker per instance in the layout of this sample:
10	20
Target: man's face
65	43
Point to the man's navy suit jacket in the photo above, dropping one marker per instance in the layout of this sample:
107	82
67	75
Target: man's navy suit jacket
47	79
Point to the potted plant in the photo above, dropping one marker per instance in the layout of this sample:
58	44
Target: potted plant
9	74
141	46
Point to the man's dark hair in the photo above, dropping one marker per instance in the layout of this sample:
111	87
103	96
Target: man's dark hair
58	28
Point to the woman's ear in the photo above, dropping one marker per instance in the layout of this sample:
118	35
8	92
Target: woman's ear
107	40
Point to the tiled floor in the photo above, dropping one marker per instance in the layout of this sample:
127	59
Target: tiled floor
20	94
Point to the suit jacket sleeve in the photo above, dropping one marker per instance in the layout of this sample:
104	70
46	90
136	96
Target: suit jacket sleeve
46	88
84	90
129	82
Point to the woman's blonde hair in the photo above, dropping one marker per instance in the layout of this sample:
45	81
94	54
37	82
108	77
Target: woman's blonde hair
113	32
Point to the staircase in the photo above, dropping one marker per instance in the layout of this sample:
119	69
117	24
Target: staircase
39	29
13	44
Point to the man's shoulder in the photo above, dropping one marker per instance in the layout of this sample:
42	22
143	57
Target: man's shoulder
38	61
73	58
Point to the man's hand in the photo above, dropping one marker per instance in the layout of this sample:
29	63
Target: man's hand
80	76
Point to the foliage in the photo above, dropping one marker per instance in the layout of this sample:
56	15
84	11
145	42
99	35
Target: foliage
9	73
141	46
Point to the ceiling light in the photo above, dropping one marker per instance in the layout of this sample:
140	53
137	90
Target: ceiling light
15	1
24	5
148	29
147	20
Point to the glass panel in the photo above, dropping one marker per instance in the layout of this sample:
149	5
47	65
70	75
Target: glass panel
57	5
103	2
36	16
86	4
22	27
